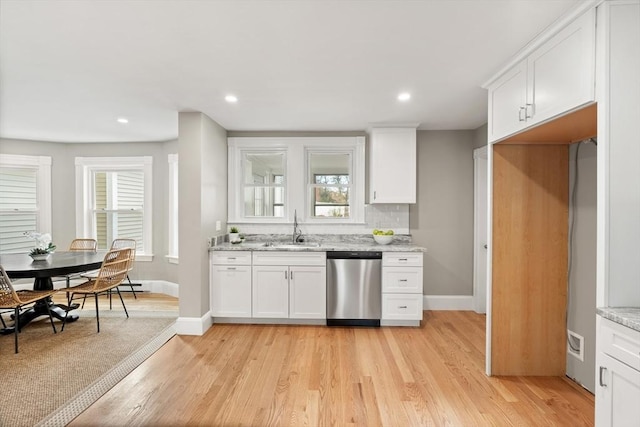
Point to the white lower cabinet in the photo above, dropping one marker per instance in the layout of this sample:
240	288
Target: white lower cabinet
230	284
617	375
402	287
308	292
295	290
270	291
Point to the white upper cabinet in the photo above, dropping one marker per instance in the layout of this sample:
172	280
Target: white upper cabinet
618	280
392	165
555	78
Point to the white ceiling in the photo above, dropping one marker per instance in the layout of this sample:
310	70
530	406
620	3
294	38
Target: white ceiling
68	69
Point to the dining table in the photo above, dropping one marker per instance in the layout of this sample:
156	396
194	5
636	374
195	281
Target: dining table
57	264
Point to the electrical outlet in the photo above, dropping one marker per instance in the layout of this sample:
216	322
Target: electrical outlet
218	225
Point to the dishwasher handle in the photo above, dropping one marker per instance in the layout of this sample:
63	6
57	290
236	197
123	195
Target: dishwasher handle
354	255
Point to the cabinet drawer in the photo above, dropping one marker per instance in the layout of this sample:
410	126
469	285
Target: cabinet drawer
402	306
289	258
401	259
231	257
402	280
620	342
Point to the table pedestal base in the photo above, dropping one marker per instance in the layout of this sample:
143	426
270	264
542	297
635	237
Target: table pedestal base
40	308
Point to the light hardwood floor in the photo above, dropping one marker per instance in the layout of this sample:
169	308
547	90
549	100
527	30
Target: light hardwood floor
263	375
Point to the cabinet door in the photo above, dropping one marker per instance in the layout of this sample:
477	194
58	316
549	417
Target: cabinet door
617	393
270	291
392	165
507	101
308	292
561	72
231	291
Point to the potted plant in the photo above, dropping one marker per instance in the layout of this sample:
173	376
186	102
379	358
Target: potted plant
44	245
234	235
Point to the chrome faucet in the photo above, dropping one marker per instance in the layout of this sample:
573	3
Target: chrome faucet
297	233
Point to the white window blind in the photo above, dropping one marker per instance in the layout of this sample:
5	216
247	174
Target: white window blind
25	200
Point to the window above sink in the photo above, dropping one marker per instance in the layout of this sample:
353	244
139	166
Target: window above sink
320	177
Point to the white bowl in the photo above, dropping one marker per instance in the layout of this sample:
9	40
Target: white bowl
382	239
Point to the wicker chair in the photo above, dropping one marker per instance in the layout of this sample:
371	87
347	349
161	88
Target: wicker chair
16	300
83	245
112	272
124	244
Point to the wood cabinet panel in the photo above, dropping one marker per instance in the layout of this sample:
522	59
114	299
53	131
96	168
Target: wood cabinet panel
530	214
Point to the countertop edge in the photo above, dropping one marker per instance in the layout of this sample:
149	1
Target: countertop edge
325	247
625	316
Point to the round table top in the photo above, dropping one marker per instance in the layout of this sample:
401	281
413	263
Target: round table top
19	266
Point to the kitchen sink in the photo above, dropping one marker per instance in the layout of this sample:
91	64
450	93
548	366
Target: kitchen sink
289	246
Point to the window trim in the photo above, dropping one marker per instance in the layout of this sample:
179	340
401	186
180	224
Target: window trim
296	172
42	164
173	215
84	169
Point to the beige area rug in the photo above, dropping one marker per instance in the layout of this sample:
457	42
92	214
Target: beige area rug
57	376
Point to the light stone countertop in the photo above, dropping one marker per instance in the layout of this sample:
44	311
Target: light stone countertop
625	316
321	243
324	247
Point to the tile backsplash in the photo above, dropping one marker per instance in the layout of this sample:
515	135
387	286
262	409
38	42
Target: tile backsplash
385	216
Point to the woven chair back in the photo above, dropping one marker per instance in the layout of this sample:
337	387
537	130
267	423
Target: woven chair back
113	270
124	244
8	296
83	245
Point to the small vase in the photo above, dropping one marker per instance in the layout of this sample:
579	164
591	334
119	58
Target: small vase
234	237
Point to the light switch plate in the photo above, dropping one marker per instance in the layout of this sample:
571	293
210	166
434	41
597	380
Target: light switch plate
218	226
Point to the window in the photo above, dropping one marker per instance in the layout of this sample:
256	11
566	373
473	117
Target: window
25	200
270	178
114	200
263	184
329	185
172	255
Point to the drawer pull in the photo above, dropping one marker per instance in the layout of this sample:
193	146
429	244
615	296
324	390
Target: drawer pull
402	280
231	258
602	369
403	259
231	268
402	306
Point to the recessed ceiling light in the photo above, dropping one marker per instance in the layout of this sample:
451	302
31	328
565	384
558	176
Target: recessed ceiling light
404	96
231	98
123	120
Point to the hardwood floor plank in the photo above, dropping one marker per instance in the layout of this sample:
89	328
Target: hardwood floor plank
268	375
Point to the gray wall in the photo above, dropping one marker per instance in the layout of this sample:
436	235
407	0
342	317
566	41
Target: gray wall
442	218
582	283
480	137
203	201
63	191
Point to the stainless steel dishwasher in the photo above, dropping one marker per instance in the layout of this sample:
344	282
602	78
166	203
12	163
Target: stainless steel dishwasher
354	288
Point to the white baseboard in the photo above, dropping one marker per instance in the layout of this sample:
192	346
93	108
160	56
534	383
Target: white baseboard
158	287
448	302
193	325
